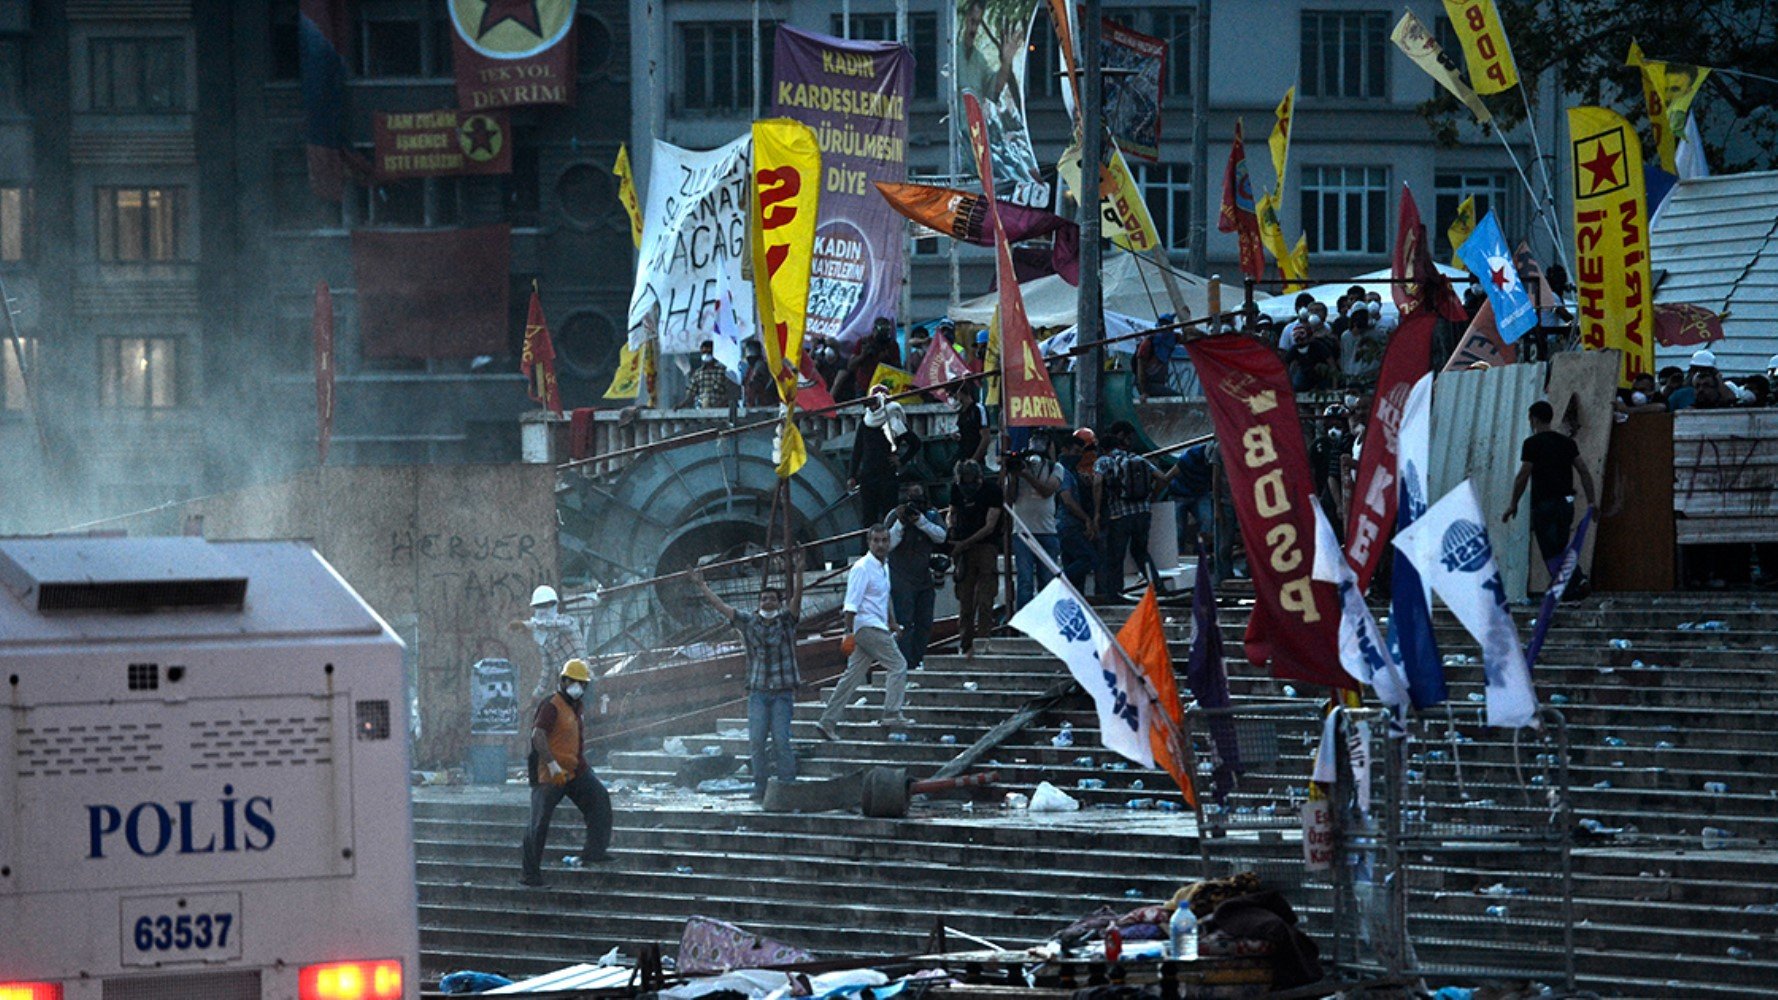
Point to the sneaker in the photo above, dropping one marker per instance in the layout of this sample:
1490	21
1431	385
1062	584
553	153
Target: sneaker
827	732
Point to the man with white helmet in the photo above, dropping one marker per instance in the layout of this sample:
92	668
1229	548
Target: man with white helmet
557	635
557	768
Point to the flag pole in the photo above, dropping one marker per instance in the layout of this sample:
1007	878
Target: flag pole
1548	222
1549	185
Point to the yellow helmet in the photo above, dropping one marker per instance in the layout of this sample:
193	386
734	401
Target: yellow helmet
576	670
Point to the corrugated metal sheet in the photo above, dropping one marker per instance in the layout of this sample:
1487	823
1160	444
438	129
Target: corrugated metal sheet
1478	422
1725	475
1717	240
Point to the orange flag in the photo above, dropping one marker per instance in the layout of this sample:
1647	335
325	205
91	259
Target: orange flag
1144	638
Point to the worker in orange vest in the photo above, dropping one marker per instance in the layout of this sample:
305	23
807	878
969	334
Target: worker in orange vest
557	766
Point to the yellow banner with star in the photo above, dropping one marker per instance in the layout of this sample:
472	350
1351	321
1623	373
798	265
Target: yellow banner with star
1614	291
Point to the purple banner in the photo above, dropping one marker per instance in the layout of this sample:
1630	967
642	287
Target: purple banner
854	95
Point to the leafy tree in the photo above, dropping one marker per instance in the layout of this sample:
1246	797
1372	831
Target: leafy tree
1585	42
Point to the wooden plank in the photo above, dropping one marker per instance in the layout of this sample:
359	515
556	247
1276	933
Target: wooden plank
1581	388
1725	530
1635	547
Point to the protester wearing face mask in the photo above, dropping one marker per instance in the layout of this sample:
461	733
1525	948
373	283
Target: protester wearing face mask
769	638
757	388
710	386
558	637
558	768
1312	361
1297	330
882	449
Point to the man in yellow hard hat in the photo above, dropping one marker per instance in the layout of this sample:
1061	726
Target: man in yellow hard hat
557	767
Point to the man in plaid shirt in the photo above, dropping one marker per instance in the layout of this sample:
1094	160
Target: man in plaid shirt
769	638
1123	484
709	386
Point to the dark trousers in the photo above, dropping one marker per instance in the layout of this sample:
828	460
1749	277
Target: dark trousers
913	610
1127	534
1080	557
977	581
768	724
594	804
1551	521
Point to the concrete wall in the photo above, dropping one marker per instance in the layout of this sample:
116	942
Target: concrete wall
447	554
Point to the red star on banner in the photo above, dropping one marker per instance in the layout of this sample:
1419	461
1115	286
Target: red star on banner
521	12
481	136
1499	278
1603	168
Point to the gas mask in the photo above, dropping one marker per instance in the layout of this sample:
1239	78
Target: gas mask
575	690
768	615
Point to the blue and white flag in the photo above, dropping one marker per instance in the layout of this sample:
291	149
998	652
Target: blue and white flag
1449	545
1062	623
728	328
1410	614
1561	571
1486	255
1363	653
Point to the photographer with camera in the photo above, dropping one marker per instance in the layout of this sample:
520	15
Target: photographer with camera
1031	478
916	539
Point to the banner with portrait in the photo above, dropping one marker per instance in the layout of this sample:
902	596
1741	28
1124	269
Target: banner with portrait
854	96
1134	64
993	37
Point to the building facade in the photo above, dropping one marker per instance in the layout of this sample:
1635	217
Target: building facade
161	244
1359	132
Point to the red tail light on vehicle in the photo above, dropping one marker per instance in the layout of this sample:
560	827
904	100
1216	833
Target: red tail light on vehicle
30	991
379	980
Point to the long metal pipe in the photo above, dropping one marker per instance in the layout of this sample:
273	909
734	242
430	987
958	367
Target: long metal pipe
1089	372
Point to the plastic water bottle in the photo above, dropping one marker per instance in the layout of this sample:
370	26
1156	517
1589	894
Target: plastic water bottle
1182	933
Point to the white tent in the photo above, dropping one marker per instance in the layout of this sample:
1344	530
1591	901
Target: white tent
1132	285
1283	307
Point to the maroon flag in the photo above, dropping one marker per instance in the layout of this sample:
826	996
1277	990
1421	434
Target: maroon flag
1682	325
432	294
1295	622
1372	517
441	143
1239	214
939	365
323	369
1418	281
812	395
538	364
512	52
1027	397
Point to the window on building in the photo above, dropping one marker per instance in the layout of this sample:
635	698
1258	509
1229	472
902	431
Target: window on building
1346	209
1167	189
13	397
137	74
1175	28
1043	60
285	62
522	190
922	40
390	44
12	74
15	222
139	224
1492	192
139	373
1344	53
716	64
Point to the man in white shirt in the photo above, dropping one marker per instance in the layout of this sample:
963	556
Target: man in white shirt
870	638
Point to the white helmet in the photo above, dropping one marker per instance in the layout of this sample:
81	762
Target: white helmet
543	595
1704	359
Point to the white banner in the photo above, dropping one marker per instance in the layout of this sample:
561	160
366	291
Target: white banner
1449	546
1062	623
694	229
1363	653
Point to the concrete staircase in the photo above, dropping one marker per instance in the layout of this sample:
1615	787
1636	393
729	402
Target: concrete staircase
1658	914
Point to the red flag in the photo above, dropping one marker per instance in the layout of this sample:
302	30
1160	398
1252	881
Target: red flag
1029	400
1372	518
323	368
1239	214
1426	286
1295	620
539	363
811	389
1144	638
939	365
1681	325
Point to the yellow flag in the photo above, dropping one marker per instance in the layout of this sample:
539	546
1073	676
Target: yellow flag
1296	266
894	378
1293	263
1280	140
1461	227
785	196
1124	215
626	193
1421	46
1613	286
628	380
1485	47
1668	88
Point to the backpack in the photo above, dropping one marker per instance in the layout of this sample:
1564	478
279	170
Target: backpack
1133	477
